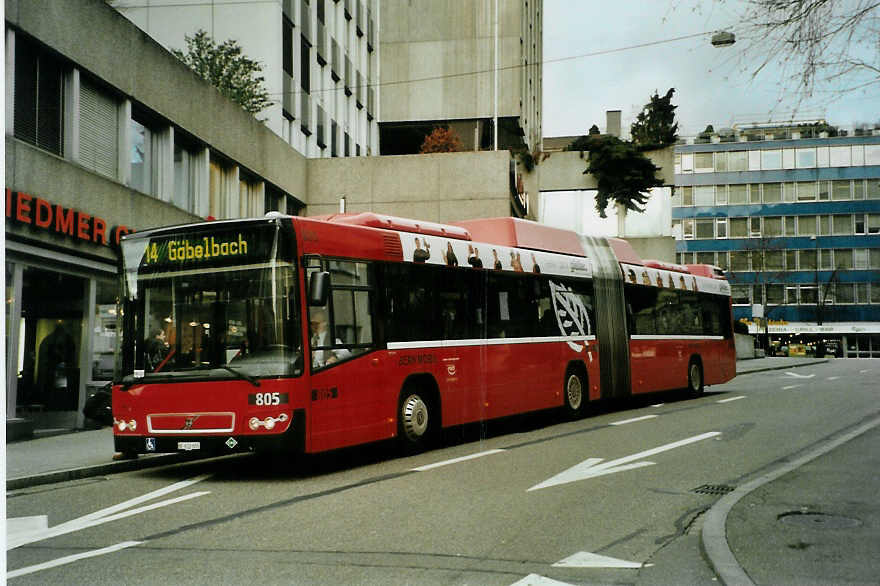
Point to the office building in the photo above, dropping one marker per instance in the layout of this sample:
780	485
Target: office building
792	213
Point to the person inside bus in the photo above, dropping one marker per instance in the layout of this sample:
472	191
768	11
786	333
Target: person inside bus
322	354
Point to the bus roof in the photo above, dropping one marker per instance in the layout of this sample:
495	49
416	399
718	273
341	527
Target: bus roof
519	233
373	220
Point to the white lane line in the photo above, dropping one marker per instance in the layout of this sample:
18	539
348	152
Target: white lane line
789	387
732	399
833	377
70	527
456	460
70	559
658	405
633	420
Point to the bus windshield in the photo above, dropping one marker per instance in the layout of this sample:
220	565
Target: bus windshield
231	314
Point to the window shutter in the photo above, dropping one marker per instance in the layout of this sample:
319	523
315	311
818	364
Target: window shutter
98	130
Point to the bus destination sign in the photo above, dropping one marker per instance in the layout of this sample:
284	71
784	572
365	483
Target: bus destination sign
205	248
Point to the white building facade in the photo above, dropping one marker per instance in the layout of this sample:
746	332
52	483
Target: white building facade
320	61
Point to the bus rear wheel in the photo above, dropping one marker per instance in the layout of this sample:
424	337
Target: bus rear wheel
695	378
575	394
416	423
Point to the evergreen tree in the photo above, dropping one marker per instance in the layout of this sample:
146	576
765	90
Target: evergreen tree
655	126
227	69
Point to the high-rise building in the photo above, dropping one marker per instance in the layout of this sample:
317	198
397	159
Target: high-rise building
319	58
464	65
792	214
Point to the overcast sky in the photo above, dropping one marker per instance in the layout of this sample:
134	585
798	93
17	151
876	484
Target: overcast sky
712	85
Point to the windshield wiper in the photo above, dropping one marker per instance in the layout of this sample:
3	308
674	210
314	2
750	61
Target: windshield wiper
242	375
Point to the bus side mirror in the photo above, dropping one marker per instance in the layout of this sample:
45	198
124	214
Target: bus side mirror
319	288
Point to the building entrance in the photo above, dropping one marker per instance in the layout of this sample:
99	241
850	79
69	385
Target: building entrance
49	336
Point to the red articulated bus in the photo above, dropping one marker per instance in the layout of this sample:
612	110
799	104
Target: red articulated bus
313	334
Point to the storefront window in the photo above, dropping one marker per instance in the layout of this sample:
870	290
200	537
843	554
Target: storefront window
104	336
51	318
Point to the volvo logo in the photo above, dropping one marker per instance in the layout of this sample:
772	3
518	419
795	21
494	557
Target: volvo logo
188	424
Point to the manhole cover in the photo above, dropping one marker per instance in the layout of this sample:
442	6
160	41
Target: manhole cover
713	489
818	520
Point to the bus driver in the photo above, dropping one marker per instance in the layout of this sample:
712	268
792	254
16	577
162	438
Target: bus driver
321	354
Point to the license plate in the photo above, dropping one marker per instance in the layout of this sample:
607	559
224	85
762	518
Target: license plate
188	446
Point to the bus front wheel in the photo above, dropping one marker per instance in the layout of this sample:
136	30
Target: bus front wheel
695	378
415	420
575	394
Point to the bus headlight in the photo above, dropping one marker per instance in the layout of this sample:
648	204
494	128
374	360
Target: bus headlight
268	423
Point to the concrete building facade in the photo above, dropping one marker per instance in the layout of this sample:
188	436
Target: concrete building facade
792	213
461	65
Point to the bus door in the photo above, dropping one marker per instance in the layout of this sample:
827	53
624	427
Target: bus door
348	403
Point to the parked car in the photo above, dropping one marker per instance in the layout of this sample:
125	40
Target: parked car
99	406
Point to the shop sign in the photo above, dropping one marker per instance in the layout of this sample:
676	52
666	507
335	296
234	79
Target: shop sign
41	214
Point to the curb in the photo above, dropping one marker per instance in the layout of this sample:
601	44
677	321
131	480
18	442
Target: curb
97	470
786	367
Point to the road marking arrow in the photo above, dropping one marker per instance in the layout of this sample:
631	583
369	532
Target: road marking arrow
591	467
538	580
585	559
796	375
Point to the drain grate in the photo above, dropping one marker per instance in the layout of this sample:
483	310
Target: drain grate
713	489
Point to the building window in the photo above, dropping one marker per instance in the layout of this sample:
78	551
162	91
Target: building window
874	263
687	162
184	172
823	191
844	293
721	195
773	226
250	197
287	46
842	225
772	192
705	229
807	260
806	191
774	260
873	224
771	159
321	138
305	65
873	189
806	158
791	260
334	133
739	227
843	258
840	190
706	258
738	194
721	162
721	227
703	163
841	156
808	294
687	196
741	294
824	225
98	130
704	195
775	294
806	226
860	223
38	97
825	259
860	258
739	260
755	193
141	159
738	160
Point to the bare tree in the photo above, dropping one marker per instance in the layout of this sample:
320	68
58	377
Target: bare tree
815	42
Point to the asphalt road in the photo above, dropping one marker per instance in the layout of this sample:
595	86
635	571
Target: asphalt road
615	498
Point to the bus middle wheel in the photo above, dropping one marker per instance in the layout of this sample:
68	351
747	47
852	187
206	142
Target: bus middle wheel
415	420
575	394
